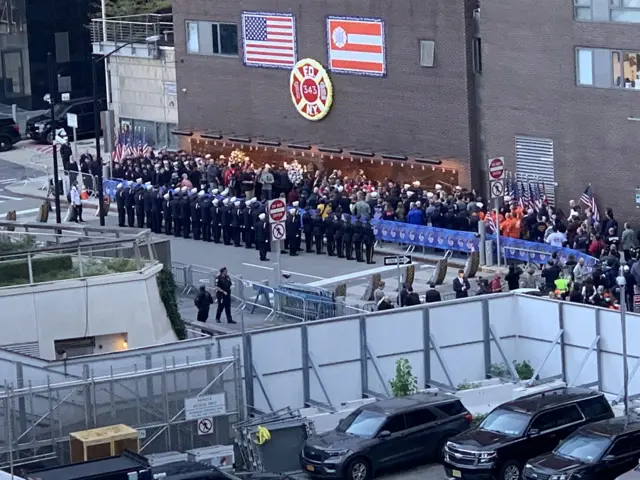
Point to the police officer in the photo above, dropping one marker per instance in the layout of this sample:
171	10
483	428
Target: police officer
120	198
318	232
196	214
347	238
205	220
339	231
293	231
358	233
225	212
369	241
129	201
236	223
262	236
216	220
148	201
139	204
185	213
330	230
176	214
307	228
166	213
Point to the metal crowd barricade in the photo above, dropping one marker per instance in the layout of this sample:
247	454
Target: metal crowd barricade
302	302
84	181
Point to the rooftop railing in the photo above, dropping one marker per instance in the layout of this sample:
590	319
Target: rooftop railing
133	28
42	254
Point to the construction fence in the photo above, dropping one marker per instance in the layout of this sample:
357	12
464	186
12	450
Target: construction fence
36	419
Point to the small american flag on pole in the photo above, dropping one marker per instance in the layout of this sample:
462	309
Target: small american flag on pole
269	39
590	201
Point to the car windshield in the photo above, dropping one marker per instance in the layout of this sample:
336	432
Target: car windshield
59	109
364	423
585	448
506	422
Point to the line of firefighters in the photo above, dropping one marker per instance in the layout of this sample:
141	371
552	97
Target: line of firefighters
231	221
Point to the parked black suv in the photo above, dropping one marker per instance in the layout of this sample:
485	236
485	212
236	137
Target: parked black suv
385	433
39	127
519	430
598	451
9	133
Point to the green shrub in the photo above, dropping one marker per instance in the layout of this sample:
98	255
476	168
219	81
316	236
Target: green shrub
523	369
8	246
167	288
469	385
405	382
16	272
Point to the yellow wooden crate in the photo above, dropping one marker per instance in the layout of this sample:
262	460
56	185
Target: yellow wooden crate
102	442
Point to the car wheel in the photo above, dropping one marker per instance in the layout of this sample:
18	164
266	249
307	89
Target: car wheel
510	471
49	137
358	469
5	144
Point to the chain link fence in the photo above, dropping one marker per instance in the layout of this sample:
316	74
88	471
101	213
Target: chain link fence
36	420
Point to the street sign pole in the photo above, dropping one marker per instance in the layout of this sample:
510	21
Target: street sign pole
399	279
276	210
497	210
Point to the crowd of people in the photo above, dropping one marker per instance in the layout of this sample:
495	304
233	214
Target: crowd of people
223	200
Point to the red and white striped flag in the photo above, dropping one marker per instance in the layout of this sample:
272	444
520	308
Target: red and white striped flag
356	45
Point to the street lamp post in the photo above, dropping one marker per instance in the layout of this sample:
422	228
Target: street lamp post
52	100
96	117
622	283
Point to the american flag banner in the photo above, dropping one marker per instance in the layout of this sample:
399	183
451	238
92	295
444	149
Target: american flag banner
590	201
356	45
491	224
269	39
511	185
520	193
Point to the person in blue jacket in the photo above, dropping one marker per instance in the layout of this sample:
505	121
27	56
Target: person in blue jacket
416	214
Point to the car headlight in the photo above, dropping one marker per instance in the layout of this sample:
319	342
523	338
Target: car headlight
337	453
487	457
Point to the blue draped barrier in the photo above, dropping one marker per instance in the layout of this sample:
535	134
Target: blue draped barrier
467	242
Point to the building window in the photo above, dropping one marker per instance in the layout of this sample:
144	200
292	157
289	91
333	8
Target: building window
207	38
193	45
427	53
582	9
584	66
625	69
62	47
627	11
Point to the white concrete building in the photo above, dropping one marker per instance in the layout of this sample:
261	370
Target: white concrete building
141	79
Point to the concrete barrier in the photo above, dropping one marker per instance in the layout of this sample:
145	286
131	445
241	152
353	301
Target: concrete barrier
439	272
374	282
472	265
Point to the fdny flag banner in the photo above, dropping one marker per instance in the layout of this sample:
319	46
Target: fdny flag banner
356	45
269	39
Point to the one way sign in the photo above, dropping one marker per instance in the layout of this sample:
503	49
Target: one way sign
398	260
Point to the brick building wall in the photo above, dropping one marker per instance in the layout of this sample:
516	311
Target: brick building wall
413	110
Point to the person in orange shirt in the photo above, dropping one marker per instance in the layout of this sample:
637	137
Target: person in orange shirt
507	226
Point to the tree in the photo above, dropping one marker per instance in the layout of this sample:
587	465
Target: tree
405	382
123	8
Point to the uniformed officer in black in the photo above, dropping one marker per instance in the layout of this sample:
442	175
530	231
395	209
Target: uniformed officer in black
347	238
216	220
129	201
156	211
166	213
339	231
205	220
176	214
307	228
369	240
262	236
247	222
236	223
255	219
120	198
148	201
185	214
139	204
358	233
196	214
225	213
318	232
293	231
329	231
